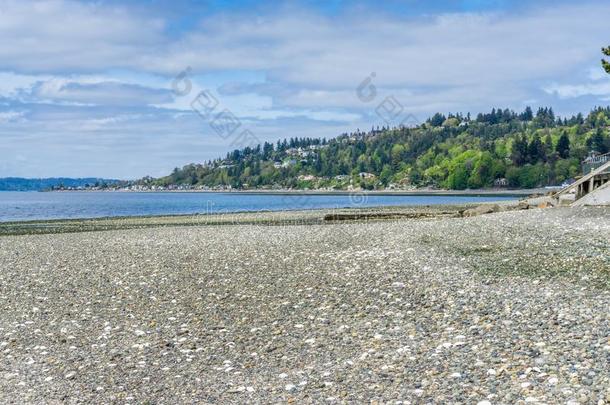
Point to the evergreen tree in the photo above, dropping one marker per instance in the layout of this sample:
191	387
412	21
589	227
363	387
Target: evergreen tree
527	115
519	151
535	150
437	120
548	145
597	142
563	146
605	63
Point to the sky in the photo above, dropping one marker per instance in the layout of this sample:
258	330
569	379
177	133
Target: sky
126	89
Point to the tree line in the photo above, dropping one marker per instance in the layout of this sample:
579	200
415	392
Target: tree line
453	151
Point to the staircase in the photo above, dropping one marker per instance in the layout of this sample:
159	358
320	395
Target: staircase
593	186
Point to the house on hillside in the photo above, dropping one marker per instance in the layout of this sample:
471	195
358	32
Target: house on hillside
289	162
501	182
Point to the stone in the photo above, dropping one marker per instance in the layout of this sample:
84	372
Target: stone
481	210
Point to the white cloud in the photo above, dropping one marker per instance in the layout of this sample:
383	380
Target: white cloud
565	91
458	61
297	47
12	83
98	93
11	116
78	81
70	140
593	83
465	49
59	35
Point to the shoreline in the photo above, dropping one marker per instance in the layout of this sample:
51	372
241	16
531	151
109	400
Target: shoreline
418	192
303	216
205	216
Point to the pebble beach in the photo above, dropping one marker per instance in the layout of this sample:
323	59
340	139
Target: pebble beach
503	308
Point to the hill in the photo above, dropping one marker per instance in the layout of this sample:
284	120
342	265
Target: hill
500	148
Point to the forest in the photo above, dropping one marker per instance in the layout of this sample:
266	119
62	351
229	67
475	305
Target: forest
501	148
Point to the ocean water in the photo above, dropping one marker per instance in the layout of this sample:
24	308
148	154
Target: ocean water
24	206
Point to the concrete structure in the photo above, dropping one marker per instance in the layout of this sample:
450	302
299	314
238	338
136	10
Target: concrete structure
601	196
591	189
593	161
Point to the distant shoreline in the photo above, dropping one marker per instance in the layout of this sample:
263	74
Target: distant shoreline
466	193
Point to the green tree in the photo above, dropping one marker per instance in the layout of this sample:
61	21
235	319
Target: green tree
519	151
548	144
513	175
597	142
527	115
460	169
437	120
563	146
563	170
458	179
482	172
386	175
397	154
535	150
605	63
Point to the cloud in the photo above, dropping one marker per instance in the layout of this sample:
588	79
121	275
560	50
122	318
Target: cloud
10	116
58	35
599	88
460	61
298	46
100	93
85	86
306	49
264	89
126	141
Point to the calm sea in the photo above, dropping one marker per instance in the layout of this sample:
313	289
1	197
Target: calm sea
22	206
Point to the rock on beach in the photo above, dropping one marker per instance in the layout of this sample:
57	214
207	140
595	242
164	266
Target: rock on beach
510	307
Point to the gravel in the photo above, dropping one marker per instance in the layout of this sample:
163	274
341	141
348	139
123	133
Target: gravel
511	307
